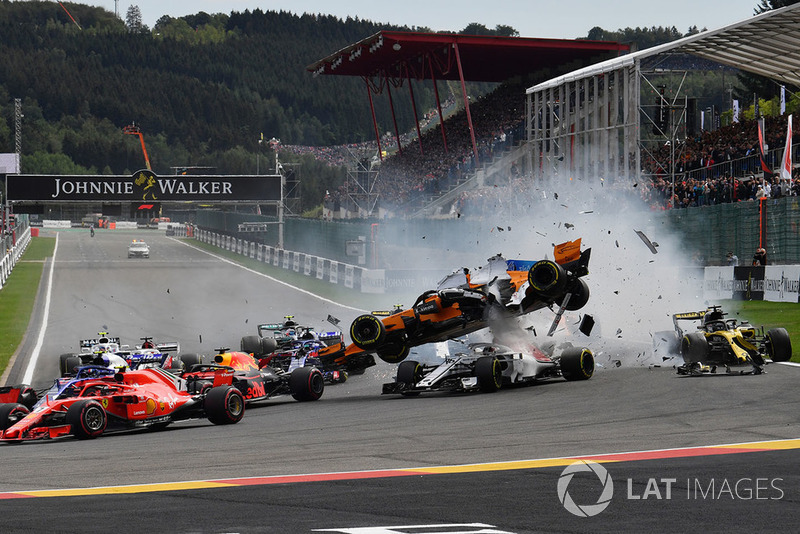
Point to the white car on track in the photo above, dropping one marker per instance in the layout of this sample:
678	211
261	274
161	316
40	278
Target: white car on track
138	249
488	367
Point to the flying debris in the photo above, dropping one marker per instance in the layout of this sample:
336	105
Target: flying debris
586	211
652	246
568	225
333	320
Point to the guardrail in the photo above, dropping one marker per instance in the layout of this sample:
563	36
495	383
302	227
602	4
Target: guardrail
11	255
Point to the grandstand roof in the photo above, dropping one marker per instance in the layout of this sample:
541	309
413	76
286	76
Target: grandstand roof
483	58
767	44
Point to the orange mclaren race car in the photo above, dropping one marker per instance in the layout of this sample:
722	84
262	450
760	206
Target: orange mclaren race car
463	301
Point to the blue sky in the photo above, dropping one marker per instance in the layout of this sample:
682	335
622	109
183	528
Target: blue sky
566	19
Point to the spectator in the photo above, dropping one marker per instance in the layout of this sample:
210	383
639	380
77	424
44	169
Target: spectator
760	257
733	259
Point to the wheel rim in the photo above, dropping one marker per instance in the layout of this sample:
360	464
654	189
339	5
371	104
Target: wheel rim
587	364
544	277
497	373
94	419
316	383
366	332
235	404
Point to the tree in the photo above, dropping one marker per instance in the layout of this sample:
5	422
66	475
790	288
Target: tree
133	20
769	5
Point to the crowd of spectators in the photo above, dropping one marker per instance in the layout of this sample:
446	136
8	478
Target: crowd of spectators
712	167
705	173
427	170
722	190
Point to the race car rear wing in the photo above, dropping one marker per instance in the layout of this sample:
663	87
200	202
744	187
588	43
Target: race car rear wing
269	327
87	343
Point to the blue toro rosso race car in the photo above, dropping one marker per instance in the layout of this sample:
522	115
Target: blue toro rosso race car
304	354
289	344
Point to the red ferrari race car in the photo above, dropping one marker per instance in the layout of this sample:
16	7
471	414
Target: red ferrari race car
463	302
99	399
258	382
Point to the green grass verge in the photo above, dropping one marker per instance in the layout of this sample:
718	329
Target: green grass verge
18	295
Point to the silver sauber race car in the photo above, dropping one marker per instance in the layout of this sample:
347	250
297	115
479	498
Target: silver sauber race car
488	367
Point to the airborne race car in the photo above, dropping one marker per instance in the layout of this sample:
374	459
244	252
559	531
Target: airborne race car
98	398
464	300
720	342
488	367
257	382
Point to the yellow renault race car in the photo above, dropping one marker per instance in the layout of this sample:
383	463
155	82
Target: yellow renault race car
720	342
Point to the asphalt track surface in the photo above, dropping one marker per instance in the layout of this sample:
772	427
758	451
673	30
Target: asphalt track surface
356	461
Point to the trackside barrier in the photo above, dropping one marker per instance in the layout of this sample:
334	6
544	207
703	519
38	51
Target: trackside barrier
50	223
176	230
312	266
12	255
773	283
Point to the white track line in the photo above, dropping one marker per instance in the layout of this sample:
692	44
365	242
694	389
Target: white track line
792	364
226	260
40	340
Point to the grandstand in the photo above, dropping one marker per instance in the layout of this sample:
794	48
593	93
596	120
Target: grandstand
441	159
591	124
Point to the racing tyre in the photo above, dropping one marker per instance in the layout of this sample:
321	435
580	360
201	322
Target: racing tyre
268	345
62	363
367	332
577	364
71	365
87	418
779	346
27	396
306	384
409	373
547	279
190	359
11	413
580	295
224	405
694	347
251	345
394	352
489	374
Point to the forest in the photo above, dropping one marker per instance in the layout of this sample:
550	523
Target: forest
203	88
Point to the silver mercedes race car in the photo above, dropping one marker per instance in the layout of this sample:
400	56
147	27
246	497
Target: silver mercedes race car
489	366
